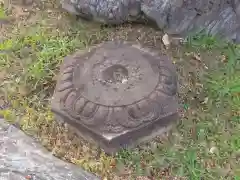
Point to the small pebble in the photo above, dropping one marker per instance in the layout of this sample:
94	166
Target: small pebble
213	150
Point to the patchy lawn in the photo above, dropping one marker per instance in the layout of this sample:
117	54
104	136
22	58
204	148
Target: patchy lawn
205	144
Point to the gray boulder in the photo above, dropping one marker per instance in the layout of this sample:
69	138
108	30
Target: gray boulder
105	11
179	17
23	158
175	17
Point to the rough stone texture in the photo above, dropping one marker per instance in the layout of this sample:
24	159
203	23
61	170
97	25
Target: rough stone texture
176	17
21	158
116	94
105	11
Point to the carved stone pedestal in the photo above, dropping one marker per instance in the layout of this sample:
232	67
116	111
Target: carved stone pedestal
116	94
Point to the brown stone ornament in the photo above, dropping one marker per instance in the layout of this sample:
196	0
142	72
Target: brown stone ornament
116	94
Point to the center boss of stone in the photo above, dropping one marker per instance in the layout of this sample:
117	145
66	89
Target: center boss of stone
115	74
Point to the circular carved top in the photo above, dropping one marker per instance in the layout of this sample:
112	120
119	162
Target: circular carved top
115	86
115	76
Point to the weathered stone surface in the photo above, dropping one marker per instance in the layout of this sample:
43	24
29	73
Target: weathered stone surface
105	11
176	17
117	94
216	17
22	158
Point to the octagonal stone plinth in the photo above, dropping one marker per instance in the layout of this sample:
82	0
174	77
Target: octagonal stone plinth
116	94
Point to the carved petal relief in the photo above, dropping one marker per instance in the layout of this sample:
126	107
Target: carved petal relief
115	106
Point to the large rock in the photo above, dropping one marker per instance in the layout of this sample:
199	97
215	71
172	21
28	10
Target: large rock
177	17
22	158
105	11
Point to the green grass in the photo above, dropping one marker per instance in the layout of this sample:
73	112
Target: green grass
2	13
189	149
205	144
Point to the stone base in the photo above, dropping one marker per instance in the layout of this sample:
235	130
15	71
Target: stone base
129	140
112	143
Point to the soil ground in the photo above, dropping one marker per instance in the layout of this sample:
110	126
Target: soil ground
204	144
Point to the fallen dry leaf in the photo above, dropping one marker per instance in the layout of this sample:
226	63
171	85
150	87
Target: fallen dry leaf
197	56
3	75
166	40
223	58
23	91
